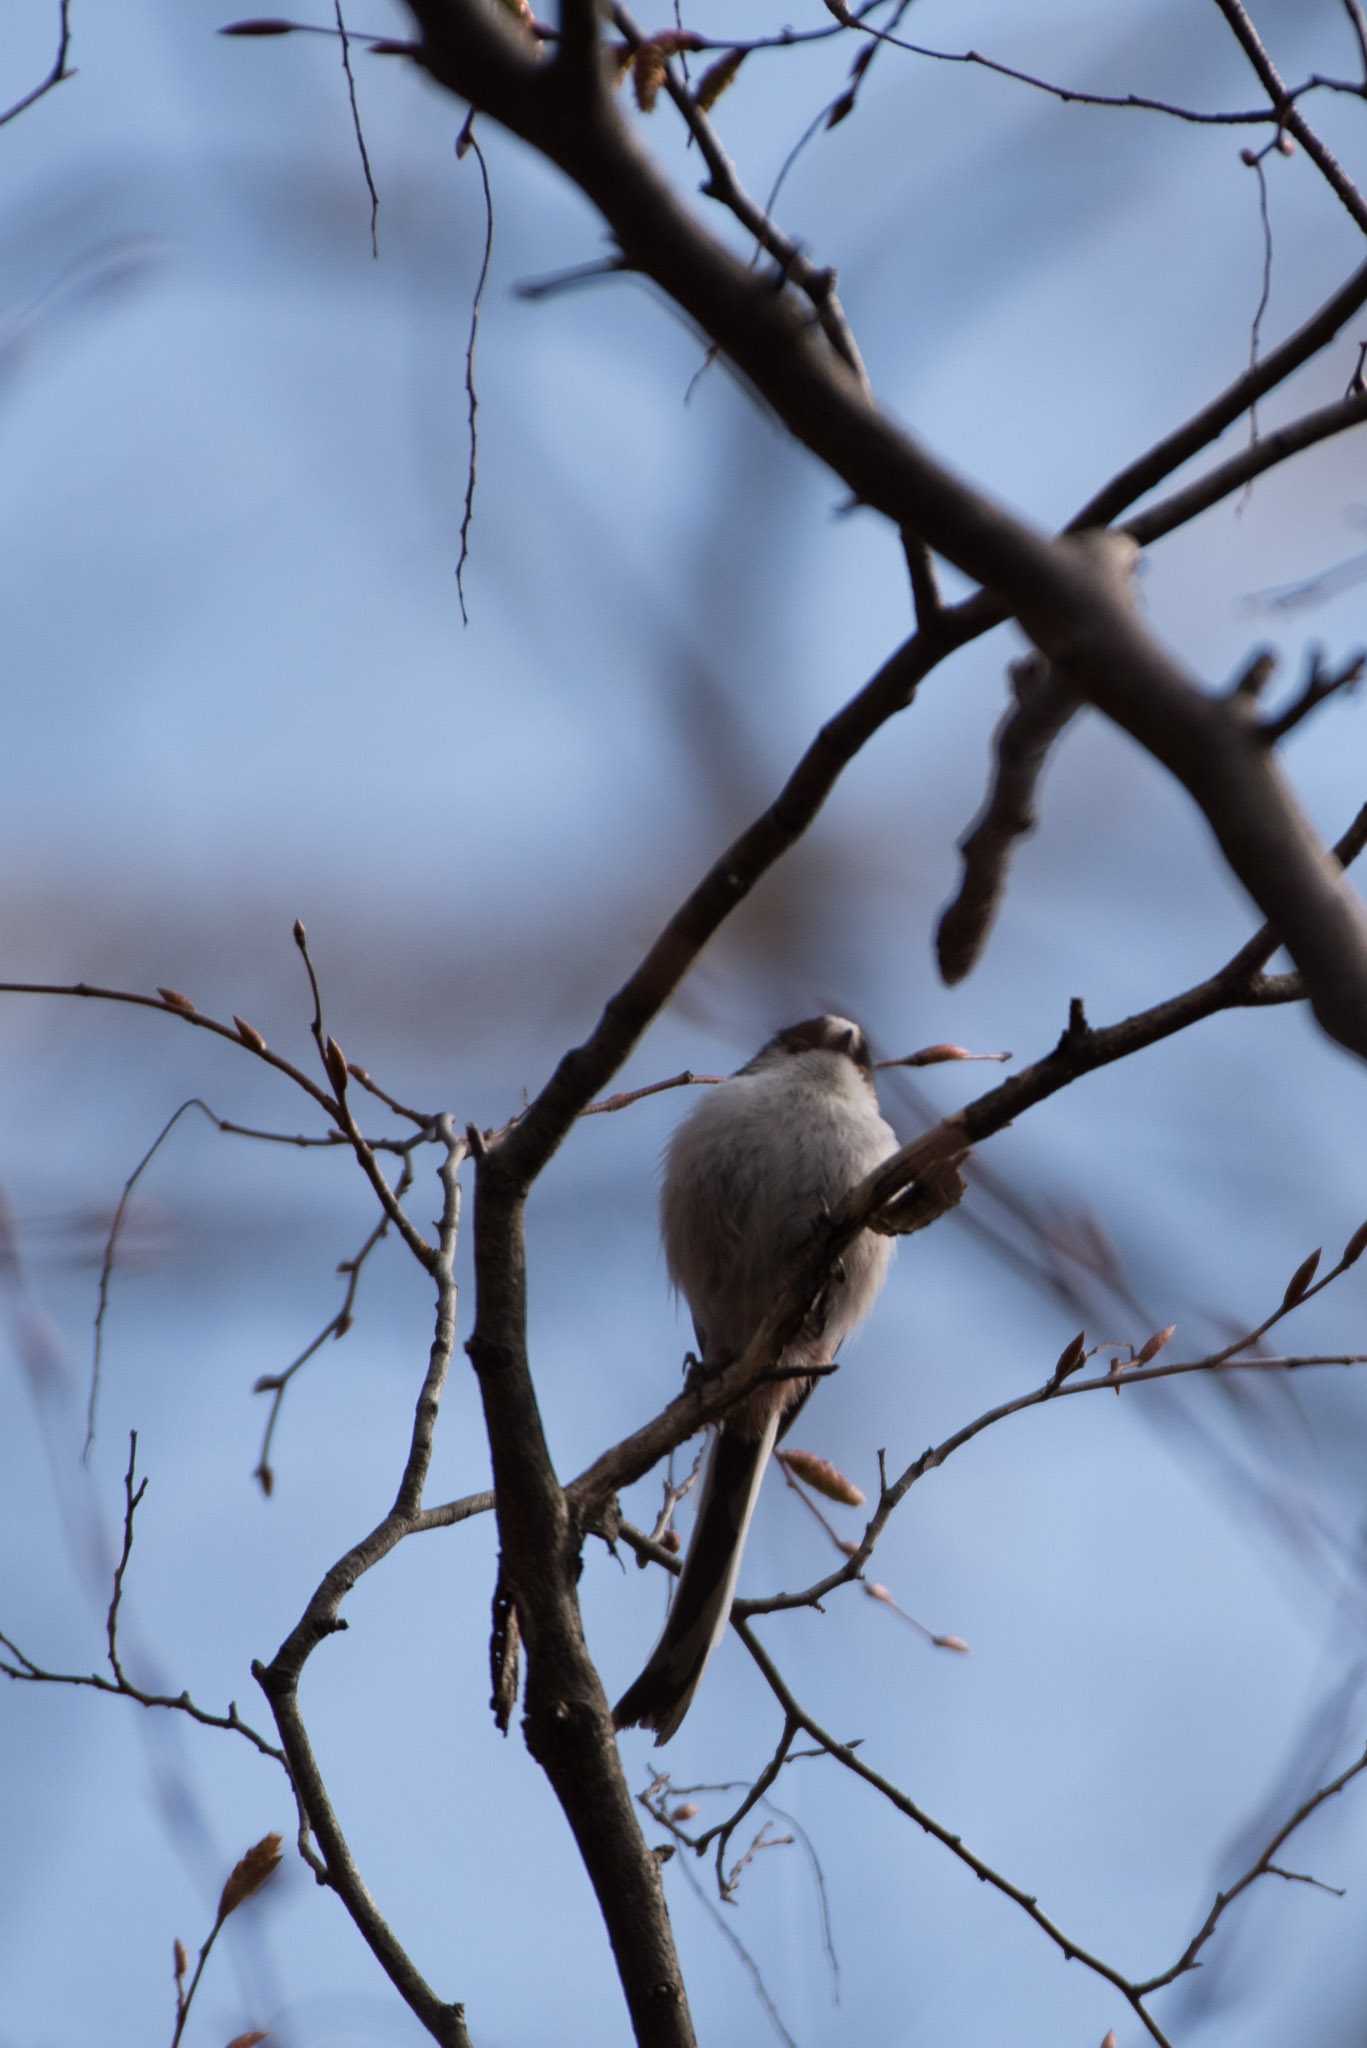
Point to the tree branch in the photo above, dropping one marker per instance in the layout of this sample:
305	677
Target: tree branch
1067	604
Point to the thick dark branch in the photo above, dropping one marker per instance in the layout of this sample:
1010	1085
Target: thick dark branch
567	1721
588	1068
1149	470
1020	748
1067	603
1265	453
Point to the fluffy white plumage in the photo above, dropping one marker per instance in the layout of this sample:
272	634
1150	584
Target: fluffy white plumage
747	1174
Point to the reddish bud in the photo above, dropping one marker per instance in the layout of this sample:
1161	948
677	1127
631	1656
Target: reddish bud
249	1034
952	1643
647	76
686	1810
670	1541
174	1000
823	1477
717	78
179	1959
250	1872
1154	1345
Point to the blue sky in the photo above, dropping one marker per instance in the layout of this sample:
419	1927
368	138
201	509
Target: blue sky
239	691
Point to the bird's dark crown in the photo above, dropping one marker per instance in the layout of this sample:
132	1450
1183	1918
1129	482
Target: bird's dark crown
824	1034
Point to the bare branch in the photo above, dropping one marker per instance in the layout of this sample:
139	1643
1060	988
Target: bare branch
344	41
846	1754
276	1384
279	1680
1020	746
1288	116
468	142
1067	604
1081	1050
724	185
1264	1866
19	1665
57	73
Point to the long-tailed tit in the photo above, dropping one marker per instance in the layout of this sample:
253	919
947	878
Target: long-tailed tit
747	1174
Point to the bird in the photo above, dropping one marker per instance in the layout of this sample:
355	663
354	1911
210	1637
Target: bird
748	1174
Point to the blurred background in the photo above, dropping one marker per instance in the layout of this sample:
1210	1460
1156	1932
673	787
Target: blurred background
239	691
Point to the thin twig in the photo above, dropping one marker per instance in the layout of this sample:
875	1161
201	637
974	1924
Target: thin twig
468	141
1262	1866
846	1754
345	41
56	74
107	1263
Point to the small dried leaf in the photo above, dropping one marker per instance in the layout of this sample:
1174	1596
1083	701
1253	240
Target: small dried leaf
1355	1247
673	40
717	77
823	1477
261	1861
174	1000
1300	1280
647	76
249	1034
1154	1344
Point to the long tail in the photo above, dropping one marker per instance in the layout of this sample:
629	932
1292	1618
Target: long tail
701	1606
